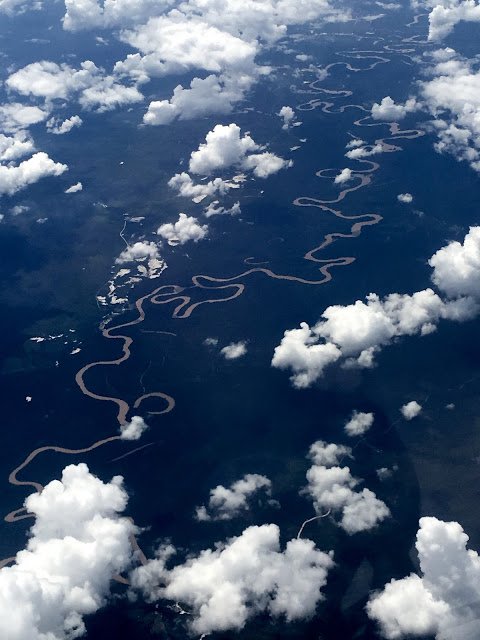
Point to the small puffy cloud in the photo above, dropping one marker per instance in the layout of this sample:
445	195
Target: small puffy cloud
134	429
406	198
224	147
59	127
14	147
226	586
441	601
75	188
77	544
300	351
234	350
456	267
265	164
138	252
344	176
288	116
328	454
358	152
411	410
185	229
184	185
15	116
390	111
226	503
355	142
13	178
333	488
215	209
359	423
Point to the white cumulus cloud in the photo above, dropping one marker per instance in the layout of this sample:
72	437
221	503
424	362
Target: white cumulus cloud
225	147
76	545
226	586
411	410
134	429
344	176
59	127
75	188
138	252
226	503
185	229
442	600
234	350
332	487
359	423
390	111
355	333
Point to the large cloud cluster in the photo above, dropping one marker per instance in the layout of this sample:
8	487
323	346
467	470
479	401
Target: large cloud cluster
354	333
247	575
446	14
77	545
332	487
443	601
226	503
452	96
218	40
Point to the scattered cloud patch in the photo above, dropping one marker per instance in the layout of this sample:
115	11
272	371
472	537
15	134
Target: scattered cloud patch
15	116
60	127
215	209
390	111
234	350
288	116
134	429
14	177
226	503
75	188
94	89
405	198
332	487
411	410
138	252
185	229
224	147
344	176
359	423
